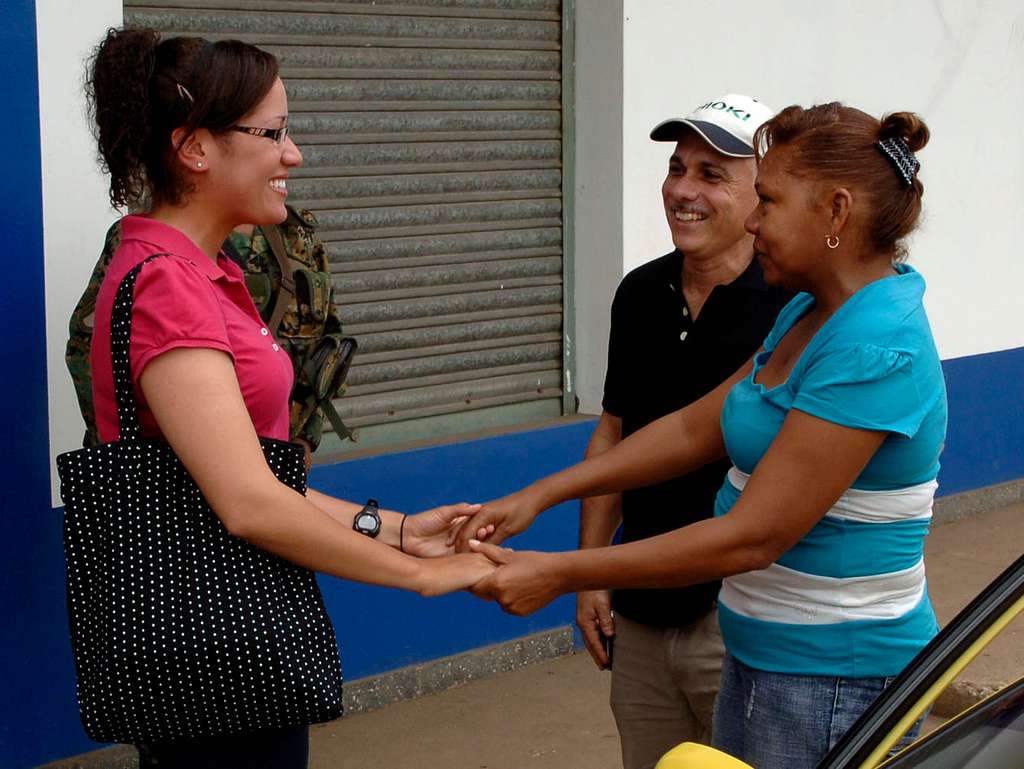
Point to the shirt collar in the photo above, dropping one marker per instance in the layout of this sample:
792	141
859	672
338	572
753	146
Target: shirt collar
164	237
751	278
907	282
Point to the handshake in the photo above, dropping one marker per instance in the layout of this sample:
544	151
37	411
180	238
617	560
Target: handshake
461	548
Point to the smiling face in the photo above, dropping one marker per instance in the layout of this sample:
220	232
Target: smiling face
707	196
789	224
251	172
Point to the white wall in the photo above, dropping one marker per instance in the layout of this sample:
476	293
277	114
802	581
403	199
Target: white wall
76	212
597	188
959	64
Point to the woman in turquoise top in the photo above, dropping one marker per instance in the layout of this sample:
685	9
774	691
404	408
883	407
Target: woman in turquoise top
834	429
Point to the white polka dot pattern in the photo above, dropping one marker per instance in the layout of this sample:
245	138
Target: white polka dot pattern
178	628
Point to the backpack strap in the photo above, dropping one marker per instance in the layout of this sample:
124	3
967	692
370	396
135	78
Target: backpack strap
288	266
343	431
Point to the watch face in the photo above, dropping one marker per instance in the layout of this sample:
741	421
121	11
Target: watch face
367	523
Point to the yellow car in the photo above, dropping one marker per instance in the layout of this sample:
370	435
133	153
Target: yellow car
989	735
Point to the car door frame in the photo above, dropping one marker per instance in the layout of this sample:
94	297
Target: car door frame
936	666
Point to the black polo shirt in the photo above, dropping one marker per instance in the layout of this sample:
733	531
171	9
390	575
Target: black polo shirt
660	360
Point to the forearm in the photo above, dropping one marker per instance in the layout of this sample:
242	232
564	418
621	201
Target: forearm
702	552
283	522
344	512
793	486
601	516
669	447
599	519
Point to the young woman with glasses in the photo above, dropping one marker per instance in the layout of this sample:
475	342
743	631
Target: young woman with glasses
195	135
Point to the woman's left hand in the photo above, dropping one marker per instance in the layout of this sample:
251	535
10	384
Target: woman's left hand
426	534
523	582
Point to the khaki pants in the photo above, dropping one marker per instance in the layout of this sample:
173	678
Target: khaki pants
664	682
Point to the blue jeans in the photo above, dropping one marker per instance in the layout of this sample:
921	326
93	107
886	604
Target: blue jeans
782	721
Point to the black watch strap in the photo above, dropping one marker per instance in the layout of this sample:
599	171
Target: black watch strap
367	520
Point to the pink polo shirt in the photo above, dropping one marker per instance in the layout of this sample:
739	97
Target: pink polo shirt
185	300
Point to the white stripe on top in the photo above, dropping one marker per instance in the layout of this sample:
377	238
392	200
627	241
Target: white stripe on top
778	594
906	504
781	594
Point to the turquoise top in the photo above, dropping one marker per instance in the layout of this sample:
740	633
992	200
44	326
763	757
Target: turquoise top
873	365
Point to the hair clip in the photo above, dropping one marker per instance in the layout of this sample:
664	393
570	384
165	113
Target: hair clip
898	152
184	94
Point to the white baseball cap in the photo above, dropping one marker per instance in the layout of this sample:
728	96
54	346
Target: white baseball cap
727	124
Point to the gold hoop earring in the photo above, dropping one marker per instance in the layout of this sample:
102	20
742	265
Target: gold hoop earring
829	241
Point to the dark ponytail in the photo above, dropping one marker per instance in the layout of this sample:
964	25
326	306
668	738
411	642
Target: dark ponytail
141	88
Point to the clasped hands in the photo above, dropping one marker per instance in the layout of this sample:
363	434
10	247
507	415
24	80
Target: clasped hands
521	582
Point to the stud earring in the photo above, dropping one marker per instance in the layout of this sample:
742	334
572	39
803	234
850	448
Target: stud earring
199	164
829	241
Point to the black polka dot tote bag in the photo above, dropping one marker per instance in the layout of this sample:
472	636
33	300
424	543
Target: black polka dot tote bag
178	628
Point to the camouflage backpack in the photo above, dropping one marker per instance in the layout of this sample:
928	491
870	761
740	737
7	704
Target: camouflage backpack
287	274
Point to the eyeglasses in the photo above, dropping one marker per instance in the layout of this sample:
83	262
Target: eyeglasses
276	135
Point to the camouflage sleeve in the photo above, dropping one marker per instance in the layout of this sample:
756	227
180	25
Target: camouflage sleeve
333	323
76	353
308	424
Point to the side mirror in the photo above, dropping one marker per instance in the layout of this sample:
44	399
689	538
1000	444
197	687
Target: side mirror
690	755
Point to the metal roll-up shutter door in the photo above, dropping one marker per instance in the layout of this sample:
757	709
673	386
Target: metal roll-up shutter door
432	137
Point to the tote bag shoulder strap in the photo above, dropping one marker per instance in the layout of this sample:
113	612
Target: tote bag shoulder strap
120	345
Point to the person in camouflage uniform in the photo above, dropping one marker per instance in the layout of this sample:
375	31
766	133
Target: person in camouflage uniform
308	325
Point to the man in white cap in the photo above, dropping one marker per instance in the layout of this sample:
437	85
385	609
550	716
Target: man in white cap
680	325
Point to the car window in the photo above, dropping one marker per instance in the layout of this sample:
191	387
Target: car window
990	737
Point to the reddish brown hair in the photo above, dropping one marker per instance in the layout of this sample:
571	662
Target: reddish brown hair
837	144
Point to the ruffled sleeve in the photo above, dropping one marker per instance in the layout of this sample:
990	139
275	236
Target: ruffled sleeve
175	306
863	386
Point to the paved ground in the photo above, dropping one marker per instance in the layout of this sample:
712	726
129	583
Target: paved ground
555	715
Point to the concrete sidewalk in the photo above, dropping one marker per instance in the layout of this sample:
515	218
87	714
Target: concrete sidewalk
555	715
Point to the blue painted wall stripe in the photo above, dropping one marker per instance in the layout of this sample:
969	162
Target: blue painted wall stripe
985	440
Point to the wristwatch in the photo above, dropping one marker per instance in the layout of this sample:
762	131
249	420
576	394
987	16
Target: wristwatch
367	520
